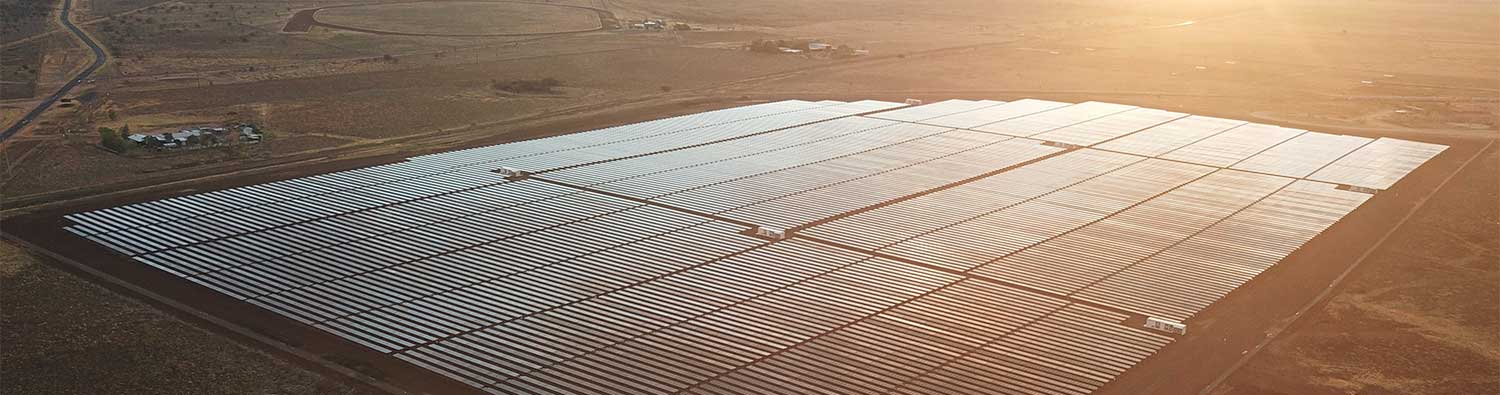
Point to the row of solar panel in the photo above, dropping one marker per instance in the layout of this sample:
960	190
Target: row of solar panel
1013	228
876	229
787	147
866	144
268	218
1201	140
1080	248
1112	218
1181	281
158	211
381	306
538	256
656	135
619	133
1082	256
664	135
210	226
834	199
450	211
806	329
354	246
527	287
647	145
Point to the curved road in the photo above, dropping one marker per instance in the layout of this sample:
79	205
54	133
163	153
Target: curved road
45	104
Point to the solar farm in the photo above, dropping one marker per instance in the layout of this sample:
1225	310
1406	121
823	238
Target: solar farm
961	246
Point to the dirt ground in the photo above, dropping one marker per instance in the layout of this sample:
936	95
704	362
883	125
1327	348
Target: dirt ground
64	335
24	18
1418	316
462	18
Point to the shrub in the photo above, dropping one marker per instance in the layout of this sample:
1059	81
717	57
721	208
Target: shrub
109	139
544	85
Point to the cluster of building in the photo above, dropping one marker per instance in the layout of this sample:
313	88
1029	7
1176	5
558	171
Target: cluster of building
805	46
649	24
658	24
203	135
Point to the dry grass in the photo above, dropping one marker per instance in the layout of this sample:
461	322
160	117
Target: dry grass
462	18
62	335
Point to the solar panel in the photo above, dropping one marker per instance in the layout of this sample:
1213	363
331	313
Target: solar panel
954	247
1233	145
794	211
992	114
886	225
1017	227
1170	136
1067	263
1073	351
1182	280
1379	164
934	110
1054	119
1302	155
1108	127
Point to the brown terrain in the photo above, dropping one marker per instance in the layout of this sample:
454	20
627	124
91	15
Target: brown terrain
64	335
1419	313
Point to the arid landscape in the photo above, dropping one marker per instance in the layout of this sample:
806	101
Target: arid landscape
1403	297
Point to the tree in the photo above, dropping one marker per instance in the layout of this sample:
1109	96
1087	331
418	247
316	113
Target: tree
109	139
151	142
544	85
665	89
843	51
765	46
194	140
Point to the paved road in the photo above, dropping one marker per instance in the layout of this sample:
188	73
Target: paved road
45	104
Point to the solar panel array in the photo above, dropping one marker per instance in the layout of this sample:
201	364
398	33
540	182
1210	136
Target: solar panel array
955	247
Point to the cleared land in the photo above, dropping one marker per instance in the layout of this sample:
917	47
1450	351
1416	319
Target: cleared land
64	335
24	18
461	18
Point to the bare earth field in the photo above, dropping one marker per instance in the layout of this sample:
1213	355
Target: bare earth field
1419	315
462	18
24	18
64	335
